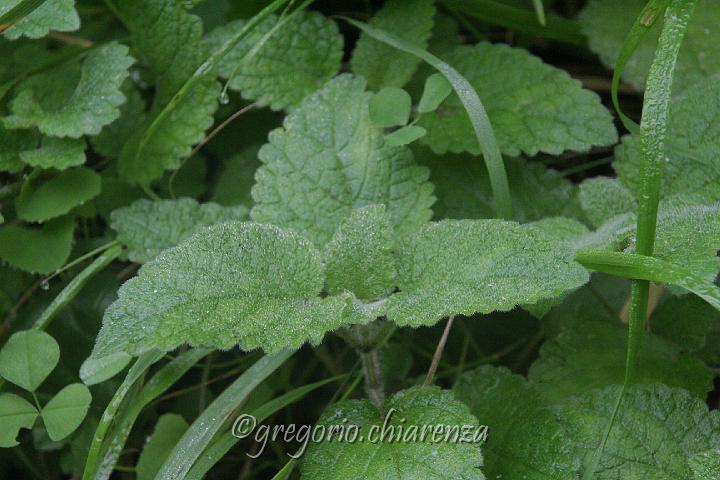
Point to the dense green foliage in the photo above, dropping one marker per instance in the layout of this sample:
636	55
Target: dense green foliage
216	209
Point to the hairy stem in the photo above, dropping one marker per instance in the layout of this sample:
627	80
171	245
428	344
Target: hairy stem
374	386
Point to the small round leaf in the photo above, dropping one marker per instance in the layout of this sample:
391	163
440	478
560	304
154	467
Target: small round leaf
66	410
28	357
390	107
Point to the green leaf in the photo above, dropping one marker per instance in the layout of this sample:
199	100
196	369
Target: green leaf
57	153
64	413
42	199
169	41
686	320
607	22
75	99
395	459
37	250
603	198
111	139
359	257
692	165
256	286
404	136
591	354
12	142
168	430
381	64
58	15
237	178
436	90
463	190
533	107
293	62
477	266
15	413
706	465
390	107
328	159
28	357
147	228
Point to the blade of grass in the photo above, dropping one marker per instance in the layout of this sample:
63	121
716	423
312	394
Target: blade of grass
224	440
521	20
474	107
18	12
643	23
204	428
128	414
653	131
540	12
641	267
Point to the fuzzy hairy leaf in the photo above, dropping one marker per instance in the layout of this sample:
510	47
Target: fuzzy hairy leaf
382	65
328	159
75	99
477	266
57	153
169	40
686	320
607	22
462	188
295	61
246	284
396	459
147	228
58	15
533	107
359	257
693	140
706	465
111	139
603	198
42	199
37	250
12	143
591	354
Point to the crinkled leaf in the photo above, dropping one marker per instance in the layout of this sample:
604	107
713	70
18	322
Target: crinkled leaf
57	153
382	65
147	228
706	465
237	178
591	354
606	23
111	139
693	140
462	188
58	15
396	459
686	320
12	142
246	284
296	60
359	257
15	413
42	198
28	357
37	250
169	429
603	198
169	40
328	159
64	413
390	107
477	266
75	99
533	107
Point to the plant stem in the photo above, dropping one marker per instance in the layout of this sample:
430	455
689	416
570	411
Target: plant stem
438	352
374	385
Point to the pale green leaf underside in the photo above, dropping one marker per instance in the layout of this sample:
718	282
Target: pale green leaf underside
328	159
64	413
44	199
462	188
478	266
28	357
533	107
693	141
359	258
607	22
381	64
57	153
296	60
88	97
58	15
337	460
147	228
246	284
15	413
37	250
